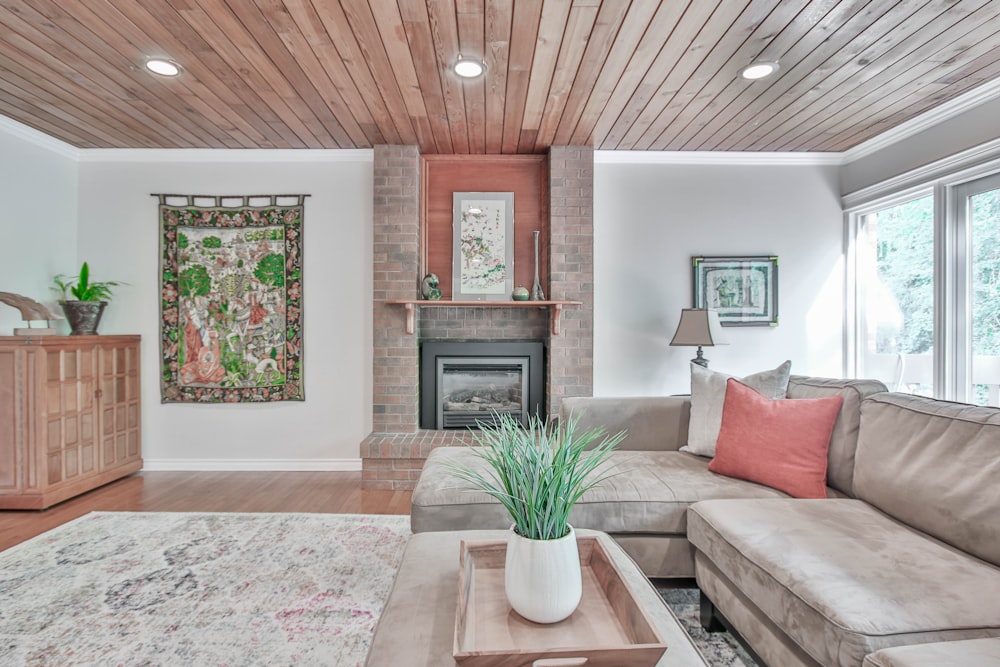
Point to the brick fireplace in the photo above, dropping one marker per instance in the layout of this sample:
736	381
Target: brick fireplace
393	454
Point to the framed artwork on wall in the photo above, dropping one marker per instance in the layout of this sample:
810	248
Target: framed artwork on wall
483	252
744	290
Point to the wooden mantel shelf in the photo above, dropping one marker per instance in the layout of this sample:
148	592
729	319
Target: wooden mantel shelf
555	308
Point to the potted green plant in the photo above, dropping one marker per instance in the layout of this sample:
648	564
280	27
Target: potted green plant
538	472
89	300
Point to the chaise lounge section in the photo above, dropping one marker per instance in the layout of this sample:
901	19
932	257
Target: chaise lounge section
966	653
913	558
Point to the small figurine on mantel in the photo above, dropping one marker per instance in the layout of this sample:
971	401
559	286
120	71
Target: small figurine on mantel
429	287
31	311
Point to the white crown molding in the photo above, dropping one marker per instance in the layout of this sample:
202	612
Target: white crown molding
945	111
725	158
40	139
954	168
203	155
254	465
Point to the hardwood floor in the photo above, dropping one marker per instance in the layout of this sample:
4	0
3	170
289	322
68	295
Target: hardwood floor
334	492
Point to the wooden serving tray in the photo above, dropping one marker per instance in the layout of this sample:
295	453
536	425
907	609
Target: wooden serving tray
608	629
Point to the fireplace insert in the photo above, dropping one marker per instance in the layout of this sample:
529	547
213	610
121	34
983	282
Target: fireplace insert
465	383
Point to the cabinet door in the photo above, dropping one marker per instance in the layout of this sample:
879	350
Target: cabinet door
119	368
69	419
14	457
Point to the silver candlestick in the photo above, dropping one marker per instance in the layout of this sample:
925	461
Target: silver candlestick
536	289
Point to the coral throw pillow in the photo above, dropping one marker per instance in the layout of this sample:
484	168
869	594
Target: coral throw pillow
782	444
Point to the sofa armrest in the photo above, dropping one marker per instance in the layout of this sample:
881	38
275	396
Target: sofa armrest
653	423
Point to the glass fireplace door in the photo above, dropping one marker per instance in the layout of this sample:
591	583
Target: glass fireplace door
475	390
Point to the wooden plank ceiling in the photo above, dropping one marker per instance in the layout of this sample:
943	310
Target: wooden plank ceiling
615	74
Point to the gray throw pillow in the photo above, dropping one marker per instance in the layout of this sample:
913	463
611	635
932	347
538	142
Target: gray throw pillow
708	393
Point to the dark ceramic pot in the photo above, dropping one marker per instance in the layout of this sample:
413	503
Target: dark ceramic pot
83	316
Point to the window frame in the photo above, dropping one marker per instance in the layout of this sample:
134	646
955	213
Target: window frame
958	211
952	356
854	299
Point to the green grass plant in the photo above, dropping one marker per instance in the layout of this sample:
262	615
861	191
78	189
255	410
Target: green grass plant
539	471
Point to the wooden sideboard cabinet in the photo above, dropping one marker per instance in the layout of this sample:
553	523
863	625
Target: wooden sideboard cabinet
69	416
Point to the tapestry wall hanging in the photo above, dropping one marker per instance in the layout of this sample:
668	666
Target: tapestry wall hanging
231	298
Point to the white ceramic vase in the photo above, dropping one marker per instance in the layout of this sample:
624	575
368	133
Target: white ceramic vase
542	577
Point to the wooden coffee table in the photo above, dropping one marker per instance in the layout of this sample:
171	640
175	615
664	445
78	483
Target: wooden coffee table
417	625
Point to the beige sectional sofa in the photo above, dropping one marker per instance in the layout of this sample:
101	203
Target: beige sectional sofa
645	507
904	551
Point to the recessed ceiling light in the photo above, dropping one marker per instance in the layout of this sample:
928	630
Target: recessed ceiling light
163	67
468	68
759	70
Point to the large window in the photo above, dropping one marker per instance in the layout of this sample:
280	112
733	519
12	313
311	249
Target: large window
978	219
895	276
927	291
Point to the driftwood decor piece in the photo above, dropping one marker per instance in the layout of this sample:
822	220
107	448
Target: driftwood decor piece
31	311
231	298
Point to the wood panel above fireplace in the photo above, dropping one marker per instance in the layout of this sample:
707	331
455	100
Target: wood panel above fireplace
524	175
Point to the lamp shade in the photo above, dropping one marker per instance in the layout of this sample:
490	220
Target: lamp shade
699	326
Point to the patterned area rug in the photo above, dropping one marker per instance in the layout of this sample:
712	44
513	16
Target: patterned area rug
199	589
720	648
221	589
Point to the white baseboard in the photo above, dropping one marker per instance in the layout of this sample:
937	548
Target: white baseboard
336	465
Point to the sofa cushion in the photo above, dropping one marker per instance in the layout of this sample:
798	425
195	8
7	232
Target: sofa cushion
933	465
651	423
967	653
782	444
844	439
708	391
650	495
843	579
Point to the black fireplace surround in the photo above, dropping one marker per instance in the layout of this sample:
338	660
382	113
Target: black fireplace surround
463	383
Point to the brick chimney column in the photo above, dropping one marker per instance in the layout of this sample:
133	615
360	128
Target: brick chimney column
571	258
396	236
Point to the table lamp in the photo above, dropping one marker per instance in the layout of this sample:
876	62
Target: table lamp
699	326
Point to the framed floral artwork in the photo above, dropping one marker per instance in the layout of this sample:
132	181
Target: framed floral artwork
743	290
483	254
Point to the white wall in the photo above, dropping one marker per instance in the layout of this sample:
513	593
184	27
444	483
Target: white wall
38	191
118	235
650	219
